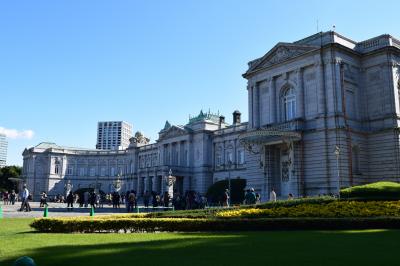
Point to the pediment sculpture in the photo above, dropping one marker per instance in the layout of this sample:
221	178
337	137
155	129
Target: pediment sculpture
281	52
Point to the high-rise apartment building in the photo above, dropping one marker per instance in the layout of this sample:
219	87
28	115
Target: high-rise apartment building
113	135
3	150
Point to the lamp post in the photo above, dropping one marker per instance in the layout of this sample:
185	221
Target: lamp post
337	153
229	182
170	180
117	184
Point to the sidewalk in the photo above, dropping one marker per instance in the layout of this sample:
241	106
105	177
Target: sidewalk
60	210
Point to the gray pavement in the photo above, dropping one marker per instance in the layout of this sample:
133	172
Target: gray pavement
60	210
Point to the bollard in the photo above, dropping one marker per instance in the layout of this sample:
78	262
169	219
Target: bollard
173	208
46	212
1	211
24	261
137	210
92	211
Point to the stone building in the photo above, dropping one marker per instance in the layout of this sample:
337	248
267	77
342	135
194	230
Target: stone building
3	150
323	114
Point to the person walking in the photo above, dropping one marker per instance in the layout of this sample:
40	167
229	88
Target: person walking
131	201
272	196
13	197
25	200
225	198
86	198
70	201
166	199
146	199
6	198
43	200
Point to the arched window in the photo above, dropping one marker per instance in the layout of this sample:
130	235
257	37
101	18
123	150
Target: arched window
289	102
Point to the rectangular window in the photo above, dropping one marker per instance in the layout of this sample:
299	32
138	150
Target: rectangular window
70	170
229	158
112	171
241	157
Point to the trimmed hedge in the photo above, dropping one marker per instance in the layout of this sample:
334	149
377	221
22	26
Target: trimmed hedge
293	202
206	225
374	191
328	210
210	212
198	213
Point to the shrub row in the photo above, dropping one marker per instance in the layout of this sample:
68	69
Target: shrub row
376	191
329	210
210	212
294	202
207	225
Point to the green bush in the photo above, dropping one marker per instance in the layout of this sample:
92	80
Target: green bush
216	191
373	191
198	213
326	210
293	202
59	225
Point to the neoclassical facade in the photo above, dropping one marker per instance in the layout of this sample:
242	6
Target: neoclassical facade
323	113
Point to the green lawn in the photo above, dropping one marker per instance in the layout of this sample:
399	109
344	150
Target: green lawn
373	247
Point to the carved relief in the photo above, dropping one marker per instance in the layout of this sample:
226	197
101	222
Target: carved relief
279	54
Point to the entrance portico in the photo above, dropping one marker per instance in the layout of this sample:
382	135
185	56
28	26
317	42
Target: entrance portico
279	150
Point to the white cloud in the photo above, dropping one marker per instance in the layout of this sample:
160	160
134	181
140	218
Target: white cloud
16	134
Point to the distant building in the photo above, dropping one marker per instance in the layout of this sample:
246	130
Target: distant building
3	150
113	135
324	113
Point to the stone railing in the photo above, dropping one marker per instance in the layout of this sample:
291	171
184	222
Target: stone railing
294	125
231	129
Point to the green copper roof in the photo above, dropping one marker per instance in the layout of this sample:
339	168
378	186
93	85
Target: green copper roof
47	145
204	116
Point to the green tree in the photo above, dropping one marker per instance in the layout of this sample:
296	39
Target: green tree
6	173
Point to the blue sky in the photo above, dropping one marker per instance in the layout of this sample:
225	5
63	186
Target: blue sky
67	64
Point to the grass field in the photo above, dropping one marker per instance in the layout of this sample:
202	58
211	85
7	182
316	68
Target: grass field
373	247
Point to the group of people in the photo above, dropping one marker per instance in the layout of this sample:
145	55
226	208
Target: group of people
189	200
9	198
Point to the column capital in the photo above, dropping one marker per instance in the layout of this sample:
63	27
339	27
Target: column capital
298	70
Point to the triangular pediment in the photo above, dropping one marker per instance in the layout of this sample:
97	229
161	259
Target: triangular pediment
173	131
280	53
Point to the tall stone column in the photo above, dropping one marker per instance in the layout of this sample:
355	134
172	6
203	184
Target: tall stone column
146	184
250	98
321	88
179	155
140	186
339	91
154	183
256	106
135	184
300	94
273	100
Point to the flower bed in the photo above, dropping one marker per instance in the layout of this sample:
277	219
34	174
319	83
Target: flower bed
328	210
131	225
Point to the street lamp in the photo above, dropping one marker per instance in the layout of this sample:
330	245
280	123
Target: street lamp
117	184
229	181
337	153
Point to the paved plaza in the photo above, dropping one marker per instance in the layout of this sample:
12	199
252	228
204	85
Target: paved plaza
60	210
